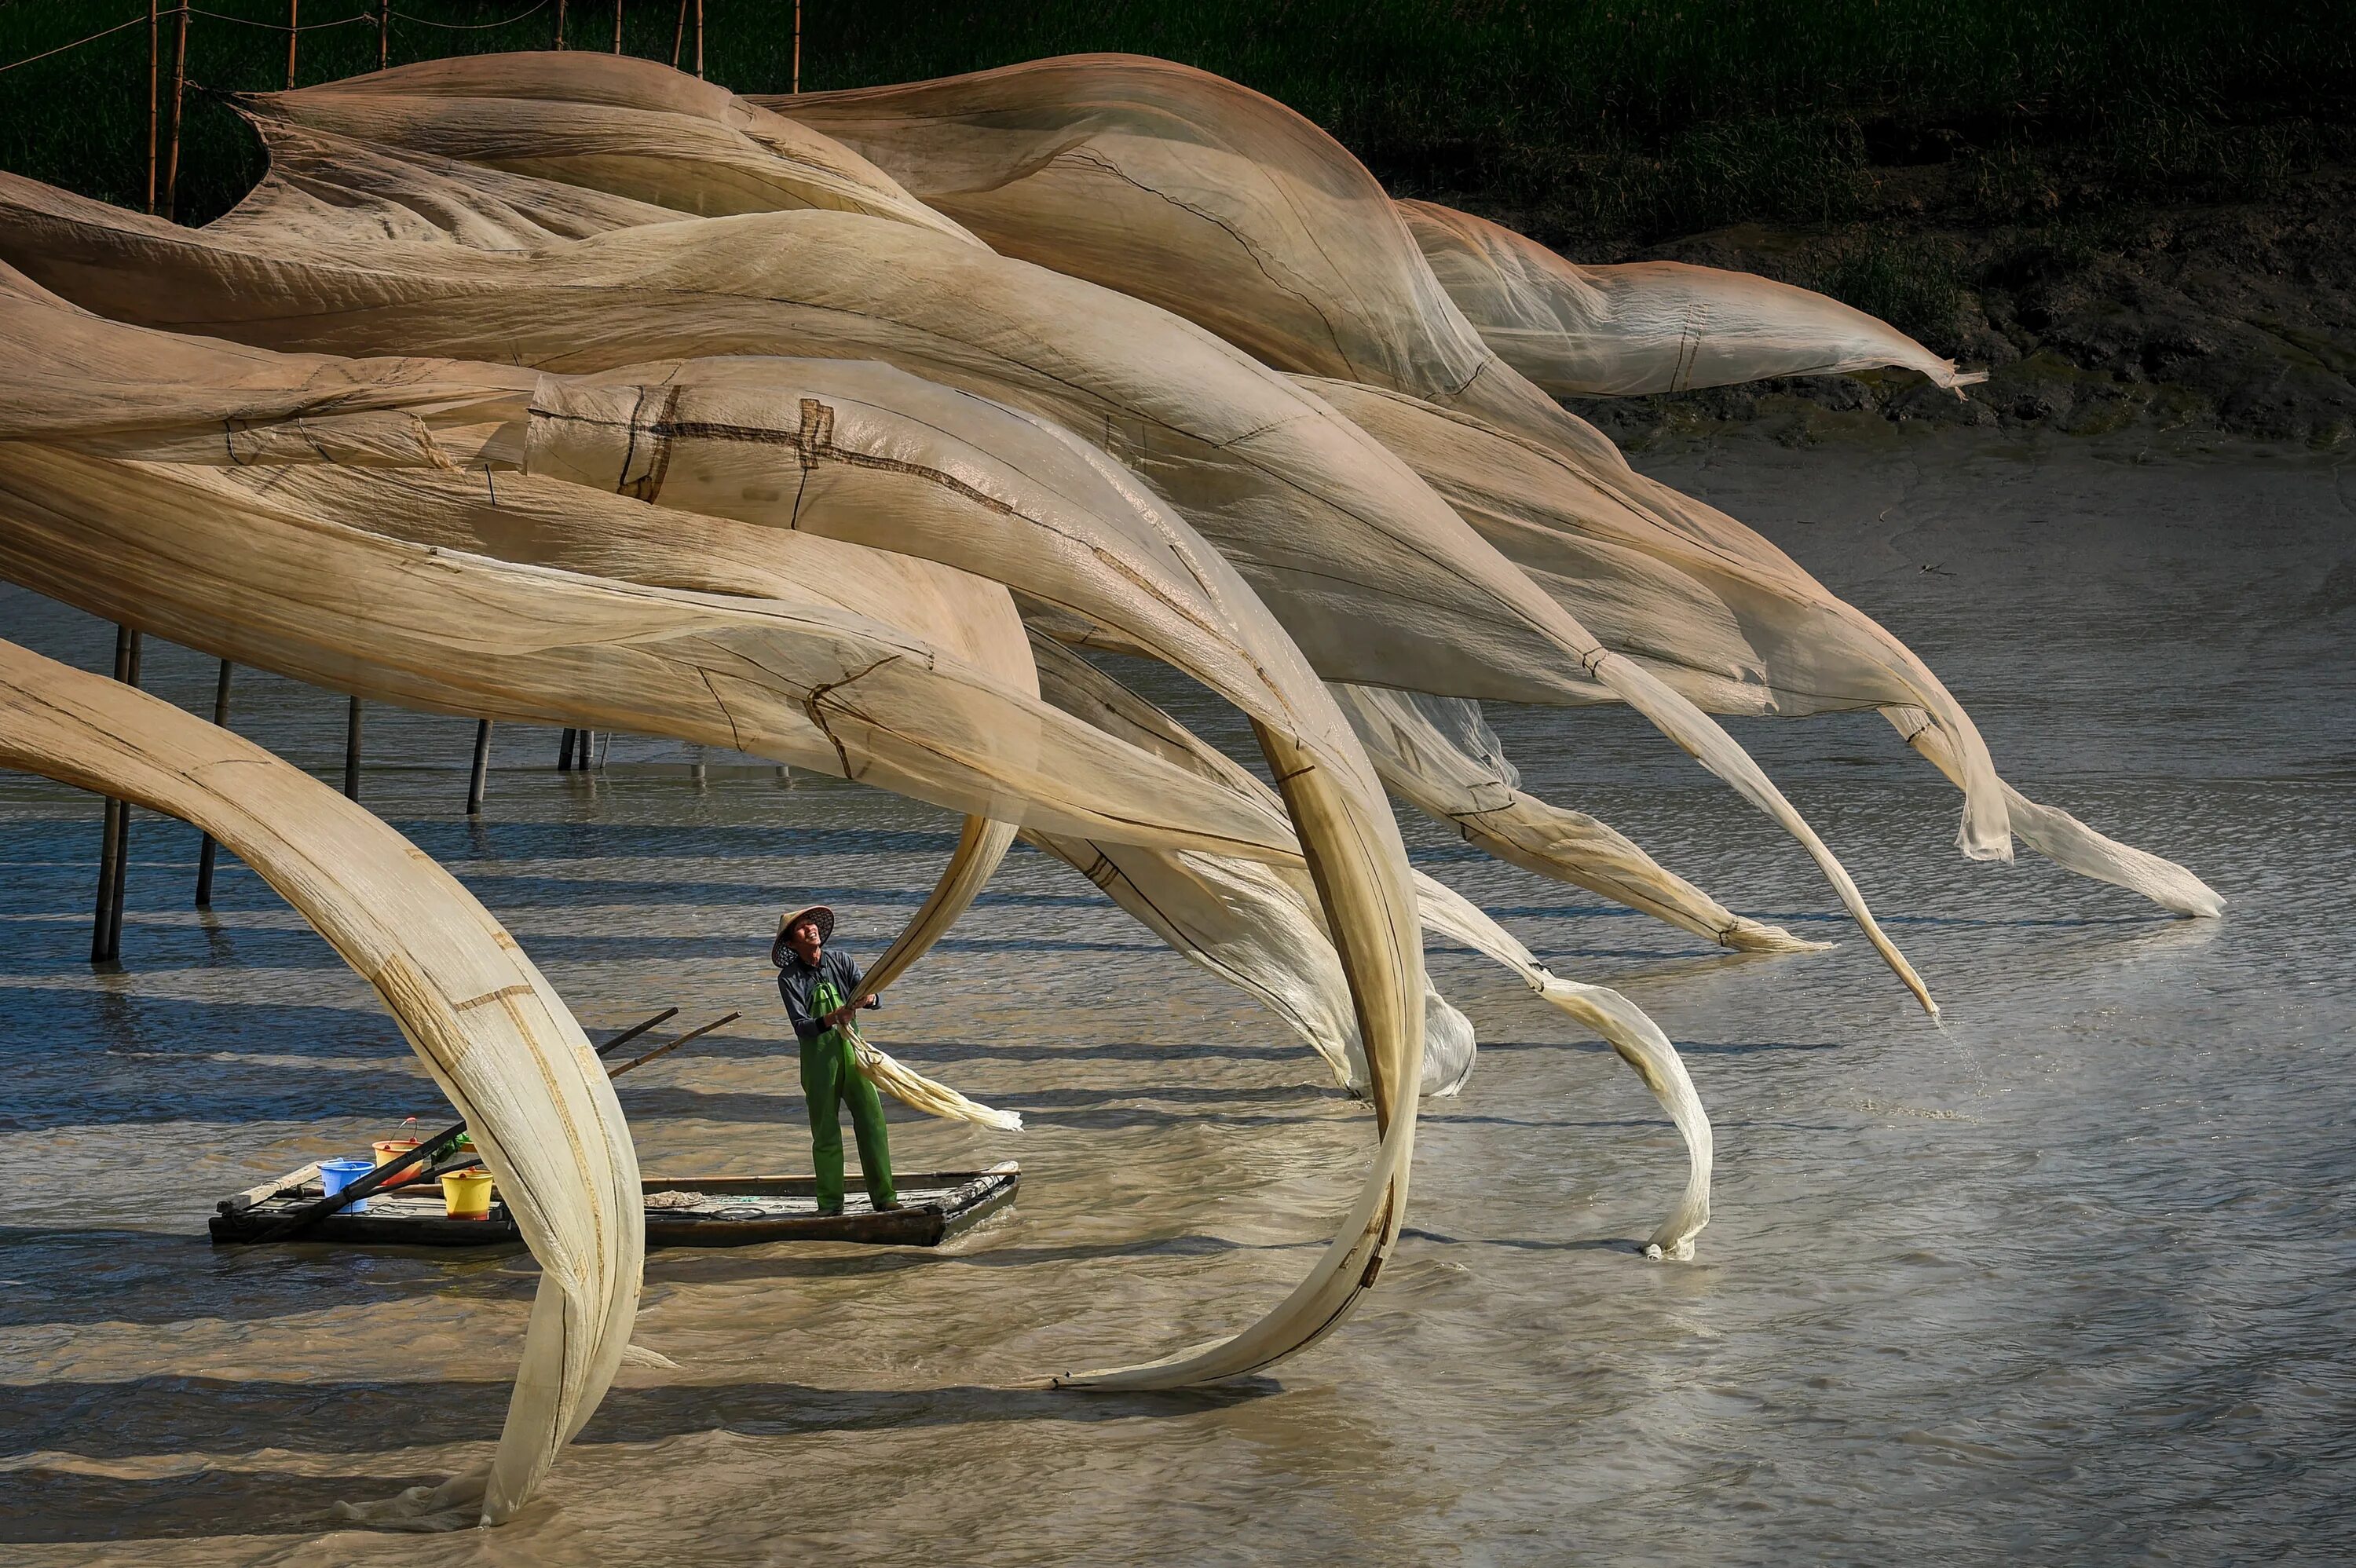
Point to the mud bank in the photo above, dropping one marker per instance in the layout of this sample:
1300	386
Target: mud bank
2234	318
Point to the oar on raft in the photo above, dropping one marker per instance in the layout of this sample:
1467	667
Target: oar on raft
311	1213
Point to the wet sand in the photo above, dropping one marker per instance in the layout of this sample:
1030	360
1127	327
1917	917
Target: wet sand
2062	1279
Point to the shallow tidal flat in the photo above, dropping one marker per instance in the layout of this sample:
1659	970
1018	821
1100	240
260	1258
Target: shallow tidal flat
2061	1278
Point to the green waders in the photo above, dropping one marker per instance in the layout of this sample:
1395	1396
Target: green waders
830	1076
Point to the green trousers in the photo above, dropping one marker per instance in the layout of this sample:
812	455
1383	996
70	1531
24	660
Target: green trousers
829	1077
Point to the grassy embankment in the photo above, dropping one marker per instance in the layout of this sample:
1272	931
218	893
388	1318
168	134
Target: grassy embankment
1881	130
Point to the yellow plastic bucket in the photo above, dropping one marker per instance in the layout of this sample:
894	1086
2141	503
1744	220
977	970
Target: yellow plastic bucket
387	1150
466	1195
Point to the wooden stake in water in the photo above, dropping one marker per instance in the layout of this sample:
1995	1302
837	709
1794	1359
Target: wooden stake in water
383	32
114	847
679	36
482	766
294	31
208	849
618	27
560	23
698	40
565	750
352	750
797	46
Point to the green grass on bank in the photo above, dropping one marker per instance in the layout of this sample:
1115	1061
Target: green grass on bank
1624	118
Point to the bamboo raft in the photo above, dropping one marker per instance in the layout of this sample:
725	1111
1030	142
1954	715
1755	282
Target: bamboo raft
731	1212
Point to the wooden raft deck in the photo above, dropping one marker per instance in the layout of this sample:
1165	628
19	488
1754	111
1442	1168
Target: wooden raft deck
730	1211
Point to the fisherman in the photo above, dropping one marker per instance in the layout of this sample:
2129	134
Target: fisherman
820	988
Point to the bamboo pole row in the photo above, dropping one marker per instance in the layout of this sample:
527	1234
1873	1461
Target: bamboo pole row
581	751
106	939
678	36
166	151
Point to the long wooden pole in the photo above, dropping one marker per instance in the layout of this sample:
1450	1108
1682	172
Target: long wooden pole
618	27
482	766
208	849
383	32
179	88
797	46
155	90
699	40
303	1218
352	750
565	750
679	36
560	23
294	31
667	1050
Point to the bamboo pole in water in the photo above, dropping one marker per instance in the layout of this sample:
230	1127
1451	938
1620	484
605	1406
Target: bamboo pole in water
698	40
293	34
352	750
560	23
482	767
679	36
209	849
618	27
797	46
383	32
114	847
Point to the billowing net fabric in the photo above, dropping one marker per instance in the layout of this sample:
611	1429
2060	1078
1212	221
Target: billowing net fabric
1634	1038
1243	921
568	389
1648	326
1121	115
1439	755
1101	164
1715	610
1339	818
490	1029
1377	579
1256	926
1228	209
626	128
291	536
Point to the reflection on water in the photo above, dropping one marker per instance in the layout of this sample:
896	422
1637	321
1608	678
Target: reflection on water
2060	1279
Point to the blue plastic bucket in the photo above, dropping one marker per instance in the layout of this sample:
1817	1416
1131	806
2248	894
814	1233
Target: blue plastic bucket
335	1175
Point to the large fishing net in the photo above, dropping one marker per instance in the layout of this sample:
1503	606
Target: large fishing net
832	429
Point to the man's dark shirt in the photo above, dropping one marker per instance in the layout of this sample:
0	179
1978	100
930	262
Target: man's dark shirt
798	982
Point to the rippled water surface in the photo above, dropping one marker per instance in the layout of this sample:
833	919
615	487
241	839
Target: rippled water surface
2065	1279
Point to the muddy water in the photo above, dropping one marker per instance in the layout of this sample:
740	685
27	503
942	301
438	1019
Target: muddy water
2065	1279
